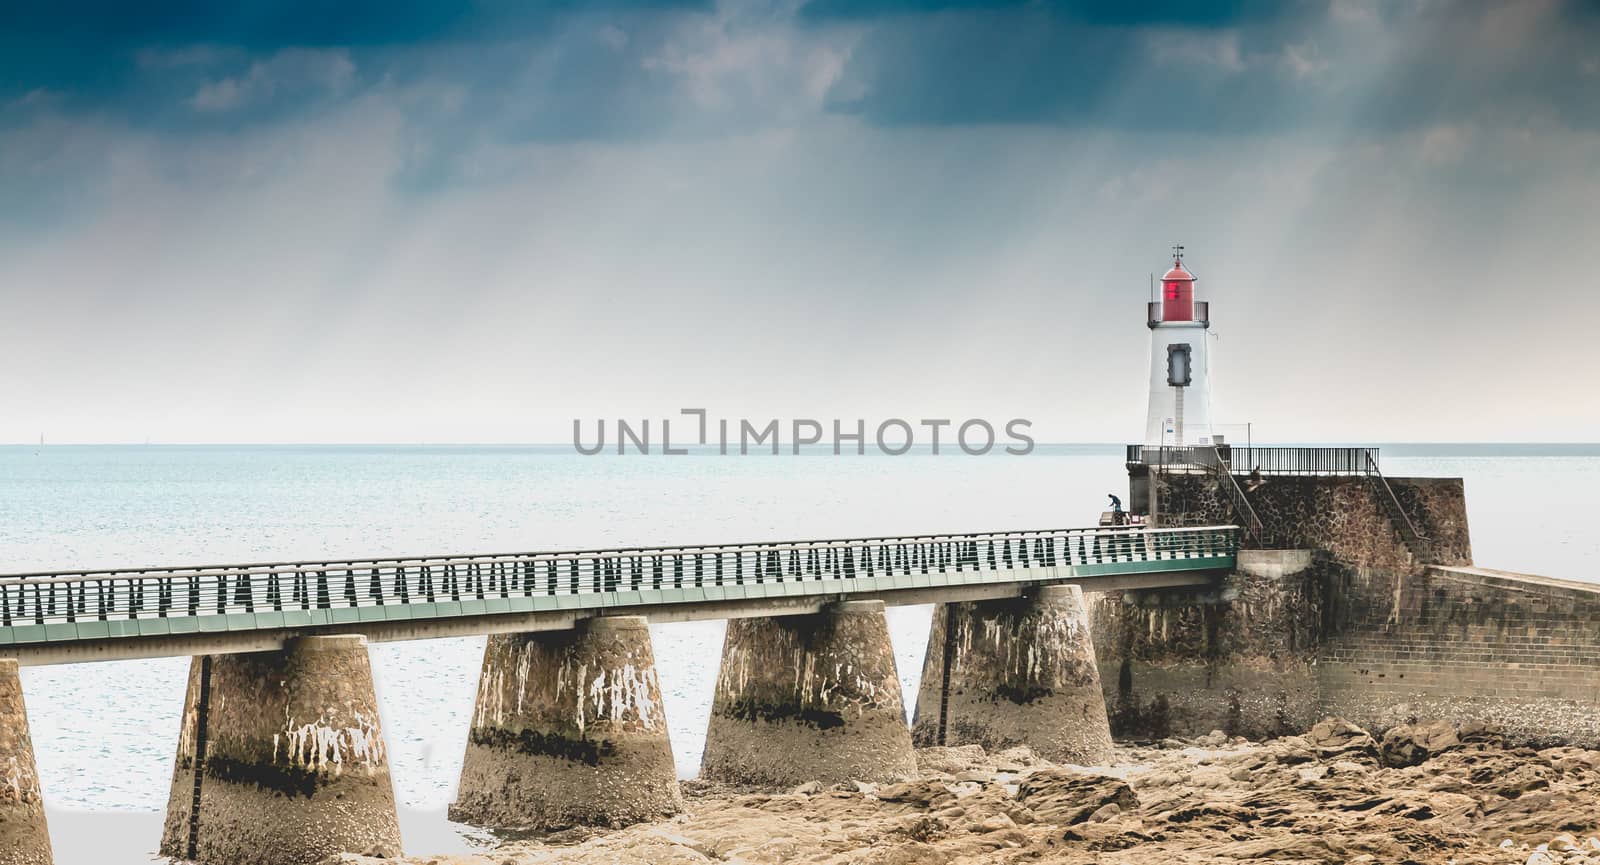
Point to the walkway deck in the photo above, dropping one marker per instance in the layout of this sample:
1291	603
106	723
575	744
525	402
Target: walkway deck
74	616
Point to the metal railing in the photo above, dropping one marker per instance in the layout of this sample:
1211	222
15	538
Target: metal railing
1202	313
41	598
1242	509
1420	545
1269	460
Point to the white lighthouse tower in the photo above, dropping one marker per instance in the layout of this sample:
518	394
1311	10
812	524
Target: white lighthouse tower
1180	386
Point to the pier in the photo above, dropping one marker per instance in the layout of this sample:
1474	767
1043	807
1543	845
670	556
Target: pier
75	616
281	758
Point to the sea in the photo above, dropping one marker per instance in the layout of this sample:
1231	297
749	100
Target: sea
105	733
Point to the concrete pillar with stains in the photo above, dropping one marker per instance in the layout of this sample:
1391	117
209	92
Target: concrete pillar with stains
568	729
809	698
281	759
1015	672
24	837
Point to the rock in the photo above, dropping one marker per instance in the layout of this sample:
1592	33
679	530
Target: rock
1161	779
1481	733
1414	744
1332	737
913	853
1522	779
1105	812
1292	755
952	760
1066	797
1217	815
1020	756
1213	739
1317	798
1304	848
1312	774
807	789
927	793
996	823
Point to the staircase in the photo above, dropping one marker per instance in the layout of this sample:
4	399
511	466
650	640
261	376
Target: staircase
1419	545
1243	513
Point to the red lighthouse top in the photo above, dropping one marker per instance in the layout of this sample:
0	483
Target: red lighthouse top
1177	290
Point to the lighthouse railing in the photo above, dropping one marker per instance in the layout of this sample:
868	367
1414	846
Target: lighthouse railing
1154	314
1352	461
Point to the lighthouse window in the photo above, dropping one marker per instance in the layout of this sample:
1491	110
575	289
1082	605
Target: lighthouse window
1178	365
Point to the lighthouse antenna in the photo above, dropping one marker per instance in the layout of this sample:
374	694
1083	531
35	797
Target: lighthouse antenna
1177	253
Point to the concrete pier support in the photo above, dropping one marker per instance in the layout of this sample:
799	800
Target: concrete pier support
809	698
281	759
1015	672
568	729
24	837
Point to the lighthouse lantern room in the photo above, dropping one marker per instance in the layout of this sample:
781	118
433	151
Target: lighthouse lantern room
1180	387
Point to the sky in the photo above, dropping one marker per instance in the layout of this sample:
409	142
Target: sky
269	221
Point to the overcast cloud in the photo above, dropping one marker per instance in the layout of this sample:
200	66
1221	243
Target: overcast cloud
410	223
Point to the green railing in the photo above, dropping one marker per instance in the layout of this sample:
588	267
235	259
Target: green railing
77	605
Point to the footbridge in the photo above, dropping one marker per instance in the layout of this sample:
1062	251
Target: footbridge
74	616
281	758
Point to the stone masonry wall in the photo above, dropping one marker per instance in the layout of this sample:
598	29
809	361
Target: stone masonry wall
1367	630
1341	516
1240	658
1474	644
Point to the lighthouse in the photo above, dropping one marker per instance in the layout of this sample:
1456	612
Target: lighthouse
1180	384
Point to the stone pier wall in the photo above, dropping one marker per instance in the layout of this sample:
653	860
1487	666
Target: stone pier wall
1021	672
1474	644
809	698
284	754
1360	627
1239	658
24	835
568	729
1342	517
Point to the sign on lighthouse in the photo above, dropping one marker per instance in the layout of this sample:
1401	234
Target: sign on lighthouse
1180	385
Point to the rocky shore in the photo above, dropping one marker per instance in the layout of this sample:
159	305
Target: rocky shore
1424	793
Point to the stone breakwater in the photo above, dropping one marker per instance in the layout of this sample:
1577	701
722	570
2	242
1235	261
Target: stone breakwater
1430	793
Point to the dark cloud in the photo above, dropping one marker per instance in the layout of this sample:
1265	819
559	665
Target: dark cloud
97	54
1115	13
1246	68
497	71
270	24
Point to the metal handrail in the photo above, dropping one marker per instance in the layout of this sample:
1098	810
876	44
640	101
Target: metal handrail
1269	460
177	592
1241	504
312	566
1153	314
1408	529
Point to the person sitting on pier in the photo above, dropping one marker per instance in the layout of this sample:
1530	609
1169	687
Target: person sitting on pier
1256	481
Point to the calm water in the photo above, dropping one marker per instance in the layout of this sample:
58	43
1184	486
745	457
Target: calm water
104	733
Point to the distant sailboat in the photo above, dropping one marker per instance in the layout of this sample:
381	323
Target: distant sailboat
41	444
